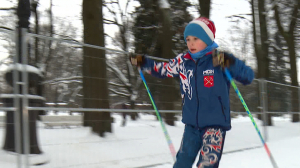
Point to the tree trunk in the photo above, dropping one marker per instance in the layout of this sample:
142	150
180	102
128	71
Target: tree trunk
95	88
9	143
289	37
36	27
166	52
204	8
51	31
23	13
260	36
293	74
133	115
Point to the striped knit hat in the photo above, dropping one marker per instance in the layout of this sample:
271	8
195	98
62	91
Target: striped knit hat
201	28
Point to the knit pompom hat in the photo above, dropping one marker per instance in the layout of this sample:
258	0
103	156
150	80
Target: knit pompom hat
202	28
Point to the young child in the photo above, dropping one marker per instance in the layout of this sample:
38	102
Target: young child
204	92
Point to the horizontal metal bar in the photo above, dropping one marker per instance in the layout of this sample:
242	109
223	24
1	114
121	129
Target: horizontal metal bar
29	96
156	58
88	45
277	83
244	112
289	112
74	42
268	112
101	110
8	109
282	84
131	110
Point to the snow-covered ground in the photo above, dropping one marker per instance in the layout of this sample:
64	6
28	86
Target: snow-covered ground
142	144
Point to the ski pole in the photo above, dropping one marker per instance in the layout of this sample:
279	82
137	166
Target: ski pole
251	117
171	146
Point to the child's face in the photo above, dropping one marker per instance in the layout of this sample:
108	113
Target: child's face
195	44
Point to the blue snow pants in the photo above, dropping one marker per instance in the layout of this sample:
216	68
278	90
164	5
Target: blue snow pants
209	142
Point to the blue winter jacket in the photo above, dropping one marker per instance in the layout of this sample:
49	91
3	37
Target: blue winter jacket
204	88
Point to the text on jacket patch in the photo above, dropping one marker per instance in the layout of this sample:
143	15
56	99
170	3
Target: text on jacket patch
208	72
208	78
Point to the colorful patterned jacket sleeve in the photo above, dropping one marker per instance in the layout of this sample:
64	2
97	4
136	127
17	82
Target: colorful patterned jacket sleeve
241	72
163	69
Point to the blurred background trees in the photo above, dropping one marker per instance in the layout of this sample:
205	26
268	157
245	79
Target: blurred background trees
266	37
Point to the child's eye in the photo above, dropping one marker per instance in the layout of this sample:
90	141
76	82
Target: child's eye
195	38
187	39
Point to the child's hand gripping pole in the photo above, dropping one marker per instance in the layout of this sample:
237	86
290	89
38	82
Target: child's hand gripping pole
250	115
137	59
171	146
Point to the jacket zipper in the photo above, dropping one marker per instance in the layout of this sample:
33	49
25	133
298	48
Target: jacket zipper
220	100
197	93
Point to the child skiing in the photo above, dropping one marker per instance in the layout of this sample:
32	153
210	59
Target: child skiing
204	92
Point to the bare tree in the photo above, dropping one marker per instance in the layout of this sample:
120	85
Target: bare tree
34	6
261	43
127	81
165	45
289	36
204	8
23	13
95	89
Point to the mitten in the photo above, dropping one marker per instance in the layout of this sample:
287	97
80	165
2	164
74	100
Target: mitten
224	59
137	59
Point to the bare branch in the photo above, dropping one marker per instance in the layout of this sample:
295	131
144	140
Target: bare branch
120	9
6	28
278	22
127	6
149	27
106	21
75	93
112	2
240	17
113	14
110	10
114	40
130	68
6	9
116	84
138	84
294	18
118	73
58	80
120	93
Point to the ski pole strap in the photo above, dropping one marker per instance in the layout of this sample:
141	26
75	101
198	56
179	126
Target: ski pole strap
251	117
169	141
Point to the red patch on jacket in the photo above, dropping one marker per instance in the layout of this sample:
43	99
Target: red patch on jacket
208	81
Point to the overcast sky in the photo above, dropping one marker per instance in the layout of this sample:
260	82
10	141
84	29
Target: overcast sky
70	10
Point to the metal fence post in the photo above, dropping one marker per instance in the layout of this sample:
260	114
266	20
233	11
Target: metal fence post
16	104
263	105
299	102
26	134
23	13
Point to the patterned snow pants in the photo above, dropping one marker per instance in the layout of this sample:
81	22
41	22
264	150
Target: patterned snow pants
208	141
